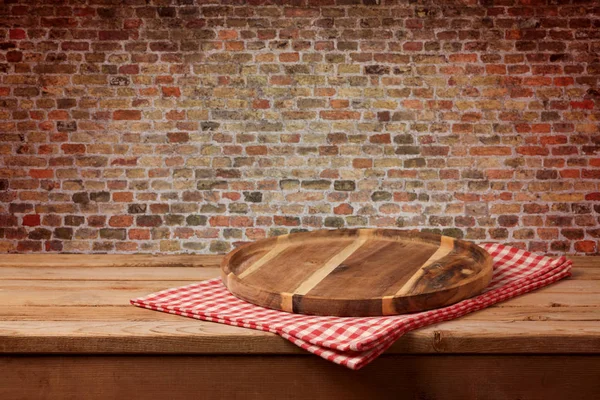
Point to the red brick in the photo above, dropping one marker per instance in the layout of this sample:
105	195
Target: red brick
490	151
260	104
415	104
564	81
127	115
337	115
256	150
178	137
289	57
220	220
339	103
234	46
132	23
139	234
233	196
343	209
41	173
113	35
302	12
17	34
585	246
175	115
240	221
325	92
463	58
533	150
585	104
121	221
31	220
228	35
121	105
412	46
14	56
286	221
122	197
131	69
29	245
255	233
73	148
537	81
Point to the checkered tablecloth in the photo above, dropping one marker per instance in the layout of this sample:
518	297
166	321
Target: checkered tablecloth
354	342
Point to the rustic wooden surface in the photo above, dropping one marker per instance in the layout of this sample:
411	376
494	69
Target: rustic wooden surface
394	376
357	272
68	331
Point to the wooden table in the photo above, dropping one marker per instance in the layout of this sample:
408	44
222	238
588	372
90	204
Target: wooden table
68	331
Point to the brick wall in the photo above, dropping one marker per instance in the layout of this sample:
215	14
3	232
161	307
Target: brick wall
144	126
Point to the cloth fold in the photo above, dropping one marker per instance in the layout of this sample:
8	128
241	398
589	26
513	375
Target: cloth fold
349	341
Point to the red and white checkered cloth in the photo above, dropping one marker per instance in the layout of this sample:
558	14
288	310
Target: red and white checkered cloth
348	341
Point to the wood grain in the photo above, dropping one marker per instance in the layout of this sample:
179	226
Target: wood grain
464	377
85	310
86	273
91	344
356	272
108	260
199	337
123	313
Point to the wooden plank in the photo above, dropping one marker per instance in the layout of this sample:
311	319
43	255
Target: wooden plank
100	292
109	260
572	286
545	299
288	377
585	273
109	273
81	293
553	319
130	313
541	314
585	261
199	337
94	293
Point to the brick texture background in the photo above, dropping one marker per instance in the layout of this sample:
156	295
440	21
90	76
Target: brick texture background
191	126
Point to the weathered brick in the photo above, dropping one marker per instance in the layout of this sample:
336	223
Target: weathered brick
100	197
296	116
334	222
40	234
64	233
253	197
136	208
286	220
321	184
381	196
127	115
148	220
344	185
81	197
196	220
113	234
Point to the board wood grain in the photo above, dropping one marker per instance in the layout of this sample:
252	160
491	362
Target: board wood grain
81	309
180	377
356	272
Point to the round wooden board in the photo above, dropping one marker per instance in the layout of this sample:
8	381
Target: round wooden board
356	272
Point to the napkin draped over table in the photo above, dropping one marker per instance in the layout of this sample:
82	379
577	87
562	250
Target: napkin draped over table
348	341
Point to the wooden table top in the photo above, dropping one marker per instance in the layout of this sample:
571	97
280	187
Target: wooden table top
80	304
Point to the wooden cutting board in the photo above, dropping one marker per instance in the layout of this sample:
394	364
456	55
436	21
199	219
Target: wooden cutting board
356	272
